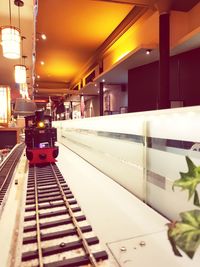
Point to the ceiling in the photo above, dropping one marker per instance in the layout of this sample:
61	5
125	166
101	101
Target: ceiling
183	5
77	31
73	35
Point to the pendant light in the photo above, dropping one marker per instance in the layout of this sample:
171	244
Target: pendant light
11	39
20	69
20	72
24	90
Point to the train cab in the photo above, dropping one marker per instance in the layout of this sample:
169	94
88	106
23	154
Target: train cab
40	138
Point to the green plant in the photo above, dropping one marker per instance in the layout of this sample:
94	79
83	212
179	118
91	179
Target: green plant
185	234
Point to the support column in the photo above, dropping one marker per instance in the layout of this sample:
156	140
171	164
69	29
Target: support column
82	106
71	110
164	64
101	98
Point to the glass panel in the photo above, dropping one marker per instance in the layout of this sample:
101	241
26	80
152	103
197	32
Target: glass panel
3	105
144	152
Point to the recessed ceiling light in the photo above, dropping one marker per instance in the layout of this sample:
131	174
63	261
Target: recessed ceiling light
103	80
148	51
42	62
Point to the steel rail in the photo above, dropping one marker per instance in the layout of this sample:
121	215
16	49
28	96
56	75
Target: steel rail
14	157
38	221
5	161
8	174
39	179
10	155
75	222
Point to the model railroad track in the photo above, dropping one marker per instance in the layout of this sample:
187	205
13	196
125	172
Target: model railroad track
7	168
56	232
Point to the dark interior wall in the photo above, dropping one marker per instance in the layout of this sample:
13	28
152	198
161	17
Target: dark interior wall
174	84
143	82
143	87
190	77
8	139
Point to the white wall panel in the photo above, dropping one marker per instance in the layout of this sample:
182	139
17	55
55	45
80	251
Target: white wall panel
116	145
120	160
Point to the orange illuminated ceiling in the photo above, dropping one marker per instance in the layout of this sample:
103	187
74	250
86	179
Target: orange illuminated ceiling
74	30
79	30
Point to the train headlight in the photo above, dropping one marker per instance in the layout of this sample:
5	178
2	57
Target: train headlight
41	124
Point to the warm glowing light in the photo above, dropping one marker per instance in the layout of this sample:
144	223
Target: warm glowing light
20	73
135	37
24	90
103	80
43	36
42	62
11	42
59	69
5	104
122	56
122	47
148	51
38	76
3	109
41	124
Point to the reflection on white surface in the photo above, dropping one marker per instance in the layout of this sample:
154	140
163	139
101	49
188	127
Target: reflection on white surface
116	146
149	250
118	218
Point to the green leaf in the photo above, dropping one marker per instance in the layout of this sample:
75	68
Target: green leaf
196	199
190	180
185	234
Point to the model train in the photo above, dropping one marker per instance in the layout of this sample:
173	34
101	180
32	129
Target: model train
40	138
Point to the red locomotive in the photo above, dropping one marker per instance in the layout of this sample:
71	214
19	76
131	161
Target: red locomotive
40	138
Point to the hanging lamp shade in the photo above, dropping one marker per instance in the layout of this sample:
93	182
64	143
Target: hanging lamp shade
20	73
11	41
24	90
